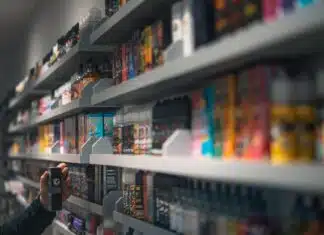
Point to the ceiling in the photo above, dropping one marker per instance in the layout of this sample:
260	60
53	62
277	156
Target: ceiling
14	18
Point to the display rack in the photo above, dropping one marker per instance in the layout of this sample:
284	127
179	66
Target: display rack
254	173
60	228
69	158
133	14
89	206
60	111
294	34
60	72
138	225
28	182
299	33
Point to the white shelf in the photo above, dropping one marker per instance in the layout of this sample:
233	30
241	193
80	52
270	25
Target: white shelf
299	33
296	177
91	207
138	225
128	18
22	201
68	158
28	182
60	228
60	72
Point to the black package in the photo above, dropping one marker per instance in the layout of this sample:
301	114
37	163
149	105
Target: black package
203	21
54	189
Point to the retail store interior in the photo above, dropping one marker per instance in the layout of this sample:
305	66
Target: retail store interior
89	83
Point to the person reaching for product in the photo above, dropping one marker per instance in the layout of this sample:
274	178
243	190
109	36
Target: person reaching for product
36	218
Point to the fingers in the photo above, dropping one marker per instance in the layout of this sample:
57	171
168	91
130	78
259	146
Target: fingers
64	168
65	173
43	180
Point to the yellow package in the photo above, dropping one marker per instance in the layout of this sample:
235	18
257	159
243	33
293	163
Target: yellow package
283	134
305	117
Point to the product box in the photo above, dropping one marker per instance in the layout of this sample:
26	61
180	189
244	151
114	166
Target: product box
82	130
66	95
242	116
62	137
95	125
148	47
111	179
108	121
124	62
200	135
282	118
188	27
70	135
157	43
221	24
229	115
259	77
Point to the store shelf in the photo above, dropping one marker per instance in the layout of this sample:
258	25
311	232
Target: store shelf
18	128
22	201
296	177
138	225
91	207
128	18
26	97
68	158
28	182
74	107
61	71
299	33
61	228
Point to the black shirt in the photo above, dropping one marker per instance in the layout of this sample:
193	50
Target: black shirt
33	221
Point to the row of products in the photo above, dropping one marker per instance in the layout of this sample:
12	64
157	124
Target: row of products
142	52
79	221
188	206
112	6
194	23
260	112
63	45
65	136
93	182
191	206
264	112
87	76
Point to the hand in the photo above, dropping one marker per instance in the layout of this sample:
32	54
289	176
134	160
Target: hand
66	187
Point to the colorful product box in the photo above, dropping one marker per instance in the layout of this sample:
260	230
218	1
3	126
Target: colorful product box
242	117
108	122
95	125
82	130
70	142
229	119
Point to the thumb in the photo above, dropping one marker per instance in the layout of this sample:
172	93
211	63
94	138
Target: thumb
44	180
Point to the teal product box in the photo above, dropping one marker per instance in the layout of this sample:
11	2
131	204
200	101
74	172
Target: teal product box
95	125
108	122
209	97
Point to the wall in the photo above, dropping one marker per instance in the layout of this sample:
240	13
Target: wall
52	19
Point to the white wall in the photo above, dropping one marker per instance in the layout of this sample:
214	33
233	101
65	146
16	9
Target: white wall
52	19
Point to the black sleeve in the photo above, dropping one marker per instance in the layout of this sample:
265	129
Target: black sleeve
33	221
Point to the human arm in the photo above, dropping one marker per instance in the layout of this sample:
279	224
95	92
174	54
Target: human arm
36	218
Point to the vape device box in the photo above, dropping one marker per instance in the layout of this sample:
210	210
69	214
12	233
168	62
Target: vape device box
54	188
